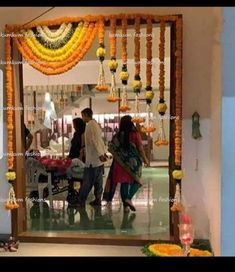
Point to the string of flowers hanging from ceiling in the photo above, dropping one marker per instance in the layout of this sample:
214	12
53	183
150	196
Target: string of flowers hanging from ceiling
100	53
113	64
124	75
149	94
137	84
161	107
56	51
177	173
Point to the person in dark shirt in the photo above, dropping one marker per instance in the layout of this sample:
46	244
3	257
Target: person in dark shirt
28	137
77	142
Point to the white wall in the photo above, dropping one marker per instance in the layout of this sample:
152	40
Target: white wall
228	131
86	72
201	92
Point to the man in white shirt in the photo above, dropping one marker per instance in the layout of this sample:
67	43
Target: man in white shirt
95	158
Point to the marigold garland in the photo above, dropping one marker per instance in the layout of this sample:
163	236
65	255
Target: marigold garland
113	63
60	66
137	84
178	93
149	52
10	175
44	30
10	104
89	18
124	40
162	59
149	92
44	37
112	38
161	106
100	53
53	55
124	75
162	250
137	46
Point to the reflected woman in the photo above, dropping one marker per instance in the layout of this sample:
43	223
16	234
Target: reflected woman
78	143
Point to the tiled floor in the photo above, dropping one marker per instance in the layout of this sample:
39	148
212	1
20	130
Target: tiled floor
151	217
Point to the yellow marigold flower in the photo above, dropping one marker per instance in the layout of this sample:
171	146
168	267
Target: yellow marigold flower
199	253
149	95
10	175
136	84
113	64
161	107
124	75
165	249
100	52
177	174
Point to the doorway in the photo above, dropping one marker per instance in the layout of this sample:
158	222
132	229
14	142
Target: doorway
153	229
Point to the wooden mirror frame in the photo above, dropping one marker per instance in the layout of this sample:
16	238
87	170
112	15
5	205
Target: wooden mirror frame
19	224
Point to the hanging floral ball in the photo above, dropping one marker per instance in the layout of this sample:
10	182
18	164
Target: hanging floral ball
149	95
10	175
124	75
161	108
177	174
100	52
137	84
113	65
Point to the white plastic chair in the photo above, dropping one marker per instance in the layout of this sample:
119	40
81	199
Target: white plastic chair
34	169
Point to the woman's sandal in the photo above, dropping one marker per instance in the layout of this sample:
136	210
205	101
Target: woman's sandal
129	203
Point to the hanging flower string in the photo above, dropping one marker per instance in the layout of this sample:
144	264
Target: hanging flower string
178	93
177	205
177	174
113	63
137	84
100	53
11	201
149	127
10	175
124	75
161	107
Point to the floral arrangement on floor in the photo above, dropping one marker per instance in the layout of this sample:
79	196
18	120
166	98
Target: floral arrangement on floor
200	248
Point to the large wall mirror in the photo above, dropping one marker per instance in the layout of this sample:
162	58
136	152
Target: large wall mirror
51	102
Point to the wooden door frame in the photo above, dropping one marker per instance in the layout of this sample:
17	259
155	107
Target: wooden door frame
19	226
